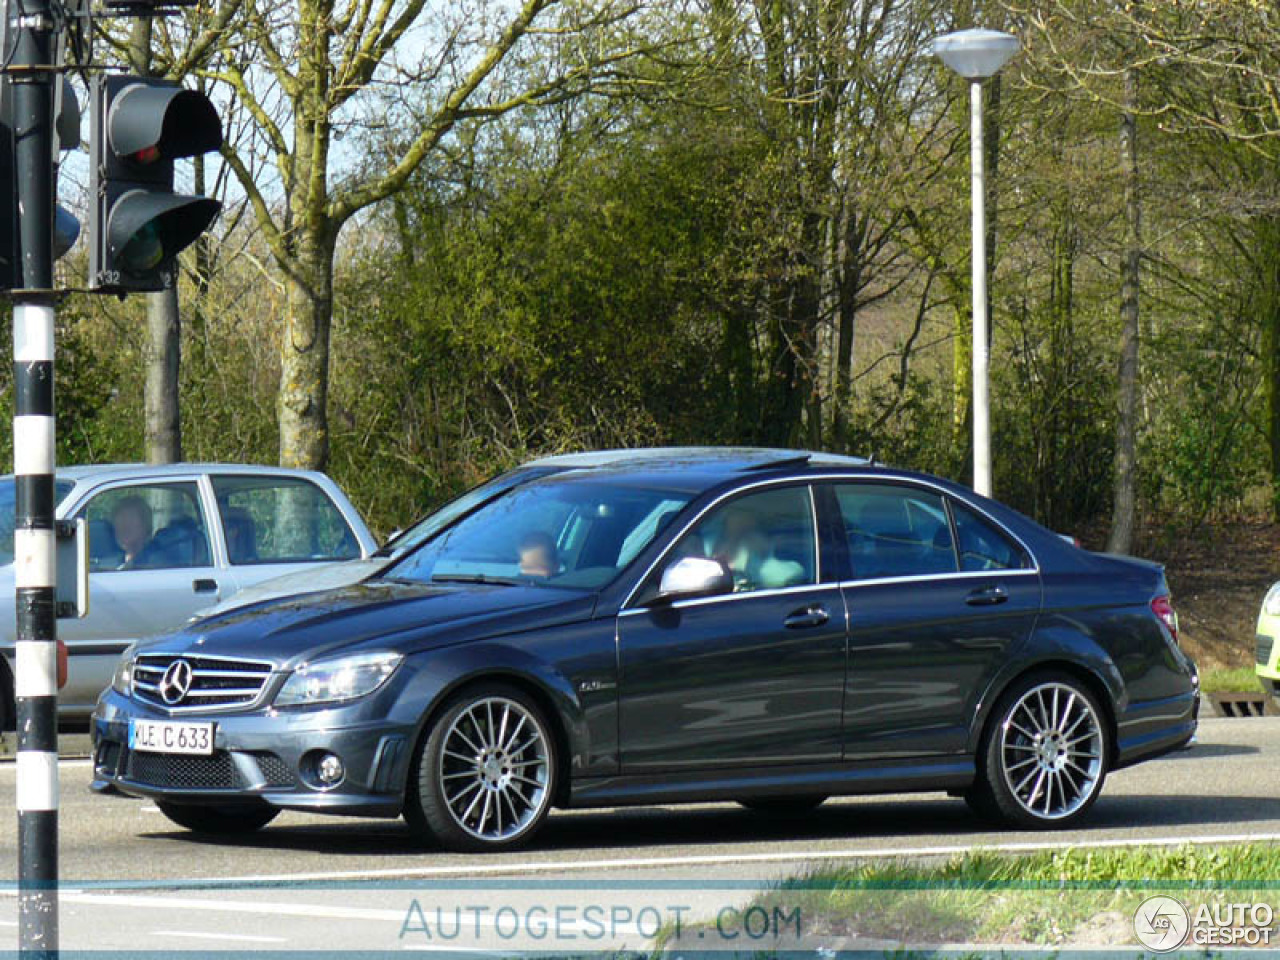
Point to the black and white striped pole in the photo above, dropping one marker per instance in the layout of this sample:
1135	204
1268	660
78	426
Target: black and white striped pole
34	539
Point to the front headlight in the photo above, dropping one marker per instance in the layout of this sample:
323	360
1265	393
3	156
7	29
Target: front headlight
1271	605
338	678
122	679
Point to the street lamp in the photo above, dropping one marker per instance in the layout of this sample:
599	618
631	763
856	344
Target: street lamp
977	55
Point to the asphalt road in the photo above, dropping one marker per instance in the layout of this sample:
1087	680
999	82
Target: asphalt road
132	879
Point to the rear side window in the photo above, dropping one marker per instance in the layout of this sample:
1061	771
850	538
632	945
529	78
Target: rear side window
982	546
895	531
281	520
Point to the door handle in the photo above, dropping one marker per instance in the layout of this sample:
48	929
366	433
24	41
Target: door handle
812	616
987	597
204	586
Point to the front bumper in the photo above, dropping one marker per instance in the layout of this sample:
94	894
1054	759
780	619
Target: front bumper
1266	650
265	757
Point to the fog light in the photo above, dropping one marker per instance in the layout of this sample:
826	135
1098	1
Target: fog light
330	770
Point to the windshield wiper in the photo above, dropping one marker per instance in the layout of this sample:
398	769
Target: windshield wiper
476	578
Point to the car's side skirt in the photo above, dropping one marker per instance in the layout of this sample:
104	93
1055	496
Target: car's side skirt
905	776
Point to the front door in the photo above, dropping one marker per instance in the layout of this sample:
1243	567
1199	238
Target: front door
150	569
750	678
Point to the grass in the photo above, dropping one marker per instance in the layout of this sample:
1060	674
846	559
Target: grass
1237	680
1080	896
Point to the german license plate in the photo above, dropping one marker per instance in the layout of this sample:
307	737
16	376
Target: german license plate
163	736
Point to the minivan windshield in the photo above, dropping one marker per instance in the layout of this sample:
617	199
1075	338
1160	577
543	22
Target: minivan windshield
575	533
8	493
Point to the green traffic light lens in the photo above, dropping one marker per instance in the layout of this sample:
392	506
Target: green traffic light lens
144	251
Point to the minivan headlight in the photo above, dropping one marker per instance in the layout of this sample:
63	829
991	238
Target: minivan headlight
337	679
1271	605
122	679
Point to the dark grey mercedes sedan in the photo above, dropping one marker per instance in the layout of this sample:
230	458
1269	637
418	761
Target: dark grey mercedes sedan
663	626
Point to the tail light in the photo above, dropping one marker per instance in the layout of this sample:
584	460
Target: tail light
1163	608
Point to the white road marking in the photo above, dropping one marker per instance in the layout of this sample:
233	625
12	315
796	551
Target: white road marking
727	859
7	764
8	923
196	935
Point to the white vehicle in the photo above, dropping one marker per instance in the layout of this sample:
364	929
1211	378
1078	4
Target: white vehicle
167	541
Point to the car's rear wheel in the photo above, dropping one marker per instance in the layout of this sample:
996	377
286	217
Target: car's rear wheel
1044	757
783	806
224	821
484	777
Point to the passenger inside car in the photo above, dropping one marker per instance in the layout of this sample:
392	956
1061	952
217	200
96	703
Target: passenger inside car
538	555
131	523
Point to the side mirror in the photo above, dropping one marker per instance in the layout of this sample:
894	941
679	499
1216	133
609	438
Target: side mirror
693	577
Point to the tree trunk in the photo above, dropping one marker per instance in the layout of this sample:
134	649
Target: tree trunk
1267	270
304	357
1123	504
163	351
163	359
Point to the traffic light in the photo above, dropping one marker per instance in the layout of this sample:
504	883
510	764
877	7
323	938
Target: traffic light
137	224
66	228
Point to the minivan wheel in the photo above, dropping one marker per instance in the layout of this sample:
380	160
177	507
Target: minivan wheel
1044	759
224	821
484	777
784	806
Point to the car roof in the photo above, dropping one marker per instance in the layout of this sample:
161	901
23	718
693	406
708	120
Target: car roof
687	469
722	459
121	471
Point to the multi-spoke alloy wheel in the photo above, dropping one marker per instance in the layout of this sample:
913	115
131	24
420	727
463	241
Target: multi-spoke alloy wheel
485	776
1046	756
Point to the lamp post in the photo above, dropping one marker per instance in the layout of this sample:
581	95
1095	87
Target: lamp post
977	55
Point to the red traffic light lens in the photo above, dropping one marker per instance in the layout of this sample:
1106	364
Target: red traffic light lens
147	155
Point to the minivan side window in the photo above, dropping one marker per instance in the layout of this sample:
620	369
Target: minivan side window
146	526
982	546
274	519
895	531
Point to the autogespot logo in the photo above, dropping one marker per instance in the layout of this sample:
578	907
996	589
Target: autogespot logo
1161	924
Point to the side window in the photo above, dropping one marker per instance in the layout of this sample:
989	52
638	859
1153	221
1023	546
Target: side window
895	531
765	539
151	526
982	546
281	520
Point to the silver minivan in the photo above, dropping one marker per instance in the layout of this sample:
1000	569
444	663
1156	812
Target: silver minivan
167	541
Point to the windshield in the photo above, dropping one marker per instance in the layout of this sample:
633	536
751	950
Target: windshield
430	525
7	496
560	533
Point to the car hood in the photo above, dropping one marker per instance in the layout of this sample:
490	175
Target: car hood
406	617
325	576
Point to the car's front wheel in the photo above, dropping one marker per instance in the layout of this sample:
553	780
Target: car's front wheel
484	776
1044	757
224	821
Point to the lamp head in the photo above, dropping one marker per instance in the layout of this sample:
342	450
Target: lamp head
976	54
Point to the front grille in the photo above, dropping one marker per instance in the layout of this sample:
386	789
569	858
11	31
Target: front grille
217	683
214	772
1262	653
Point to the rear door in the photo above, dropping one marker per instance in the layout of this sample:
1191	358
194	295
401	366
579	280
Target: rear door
937	596
270	525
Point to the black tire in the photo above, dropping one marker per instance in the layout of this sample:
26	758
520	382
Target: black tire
1044	755
784	806
501	762
221	821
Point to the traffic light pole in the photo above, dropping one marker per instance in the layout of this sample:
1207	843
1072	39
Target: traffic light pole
35	682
